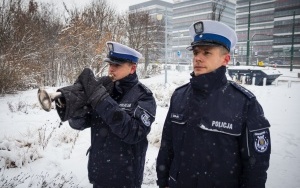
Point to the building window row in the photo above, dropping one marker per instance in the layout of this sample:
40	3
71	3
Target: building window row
290	3
254	8
286	22
271	12
285	13
265	18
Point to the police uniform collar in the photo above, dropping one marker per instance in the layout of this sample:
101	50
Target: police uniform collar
208	82
126	83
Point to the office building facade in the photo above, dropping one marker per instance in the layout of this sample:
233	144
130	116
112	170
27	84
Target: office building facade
186	12
265	31
159	9
180	15
268	30
286	40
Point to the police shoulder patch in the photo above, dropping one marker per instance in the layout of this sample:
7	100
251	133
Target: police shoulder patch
261	141
145	117
245	91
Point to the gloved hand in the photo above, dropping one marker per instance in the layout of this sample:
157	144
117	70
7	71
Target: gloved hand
107	83
95	89
98	94
73	102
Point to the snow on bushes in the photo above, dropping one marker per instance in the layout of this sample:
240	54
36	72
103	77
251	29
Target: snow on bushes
14	153
38	180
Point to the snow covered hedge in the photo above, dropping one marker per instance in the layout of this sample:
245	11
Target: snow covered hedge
14	153
38	180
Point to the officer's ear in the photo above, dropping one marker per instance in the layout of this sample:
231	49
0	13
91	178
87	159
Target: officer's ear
133	68
226	59
225	53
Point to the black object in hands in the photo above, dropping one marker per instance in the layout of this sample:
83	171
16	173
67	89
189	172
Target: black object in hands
107	83
73	102
97	96
95	89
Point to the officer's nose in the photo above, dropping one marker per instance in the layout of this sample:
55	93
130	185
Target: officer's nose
198	57
112	68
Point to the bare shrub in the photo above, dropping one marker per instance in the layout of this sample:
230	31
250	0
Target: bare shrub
67	137
44	180
43	138
20	106
149	173
16	153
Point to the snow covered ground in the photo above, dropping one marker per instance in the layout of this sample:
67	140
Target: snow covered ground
36	150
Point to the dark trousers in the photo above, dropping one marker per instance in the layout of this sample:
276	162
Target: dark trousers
98	186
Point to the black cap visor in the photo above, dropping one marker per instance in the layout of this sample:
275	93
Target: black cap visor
115	61
204	43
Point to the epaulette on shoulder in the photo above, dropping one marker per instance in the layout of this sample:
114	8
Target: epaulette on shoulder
184	85
245	91
145	88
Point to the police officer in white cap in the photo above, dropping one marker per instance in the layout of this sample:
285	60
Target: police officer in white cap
123	110
215	133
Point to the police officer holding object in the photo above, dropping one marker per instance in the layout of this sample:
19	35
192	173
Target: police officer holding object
215	133
123	111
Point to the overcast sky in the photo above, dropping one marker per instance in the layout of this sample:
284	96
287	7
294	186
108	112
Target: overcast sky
121	5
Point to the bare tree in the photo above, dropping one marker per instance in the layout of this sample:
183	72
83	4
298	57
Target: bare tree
145	34
37	47
25	33
82	41
218	7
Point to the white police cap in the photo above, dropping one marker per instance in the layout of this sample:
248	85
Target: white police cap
209	32
119	53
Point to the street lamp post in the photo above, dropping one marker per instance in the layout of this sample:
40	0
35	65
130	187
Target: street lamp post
178	51
159	17
292	48
251	41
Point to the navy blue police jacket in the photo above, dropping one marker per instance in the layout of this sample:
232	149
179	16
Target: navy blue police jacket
119	128
215	135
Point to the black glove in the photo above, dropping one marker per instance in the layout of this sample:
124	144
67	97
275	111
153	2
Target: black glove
97	96
73	102
107	83
95	89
